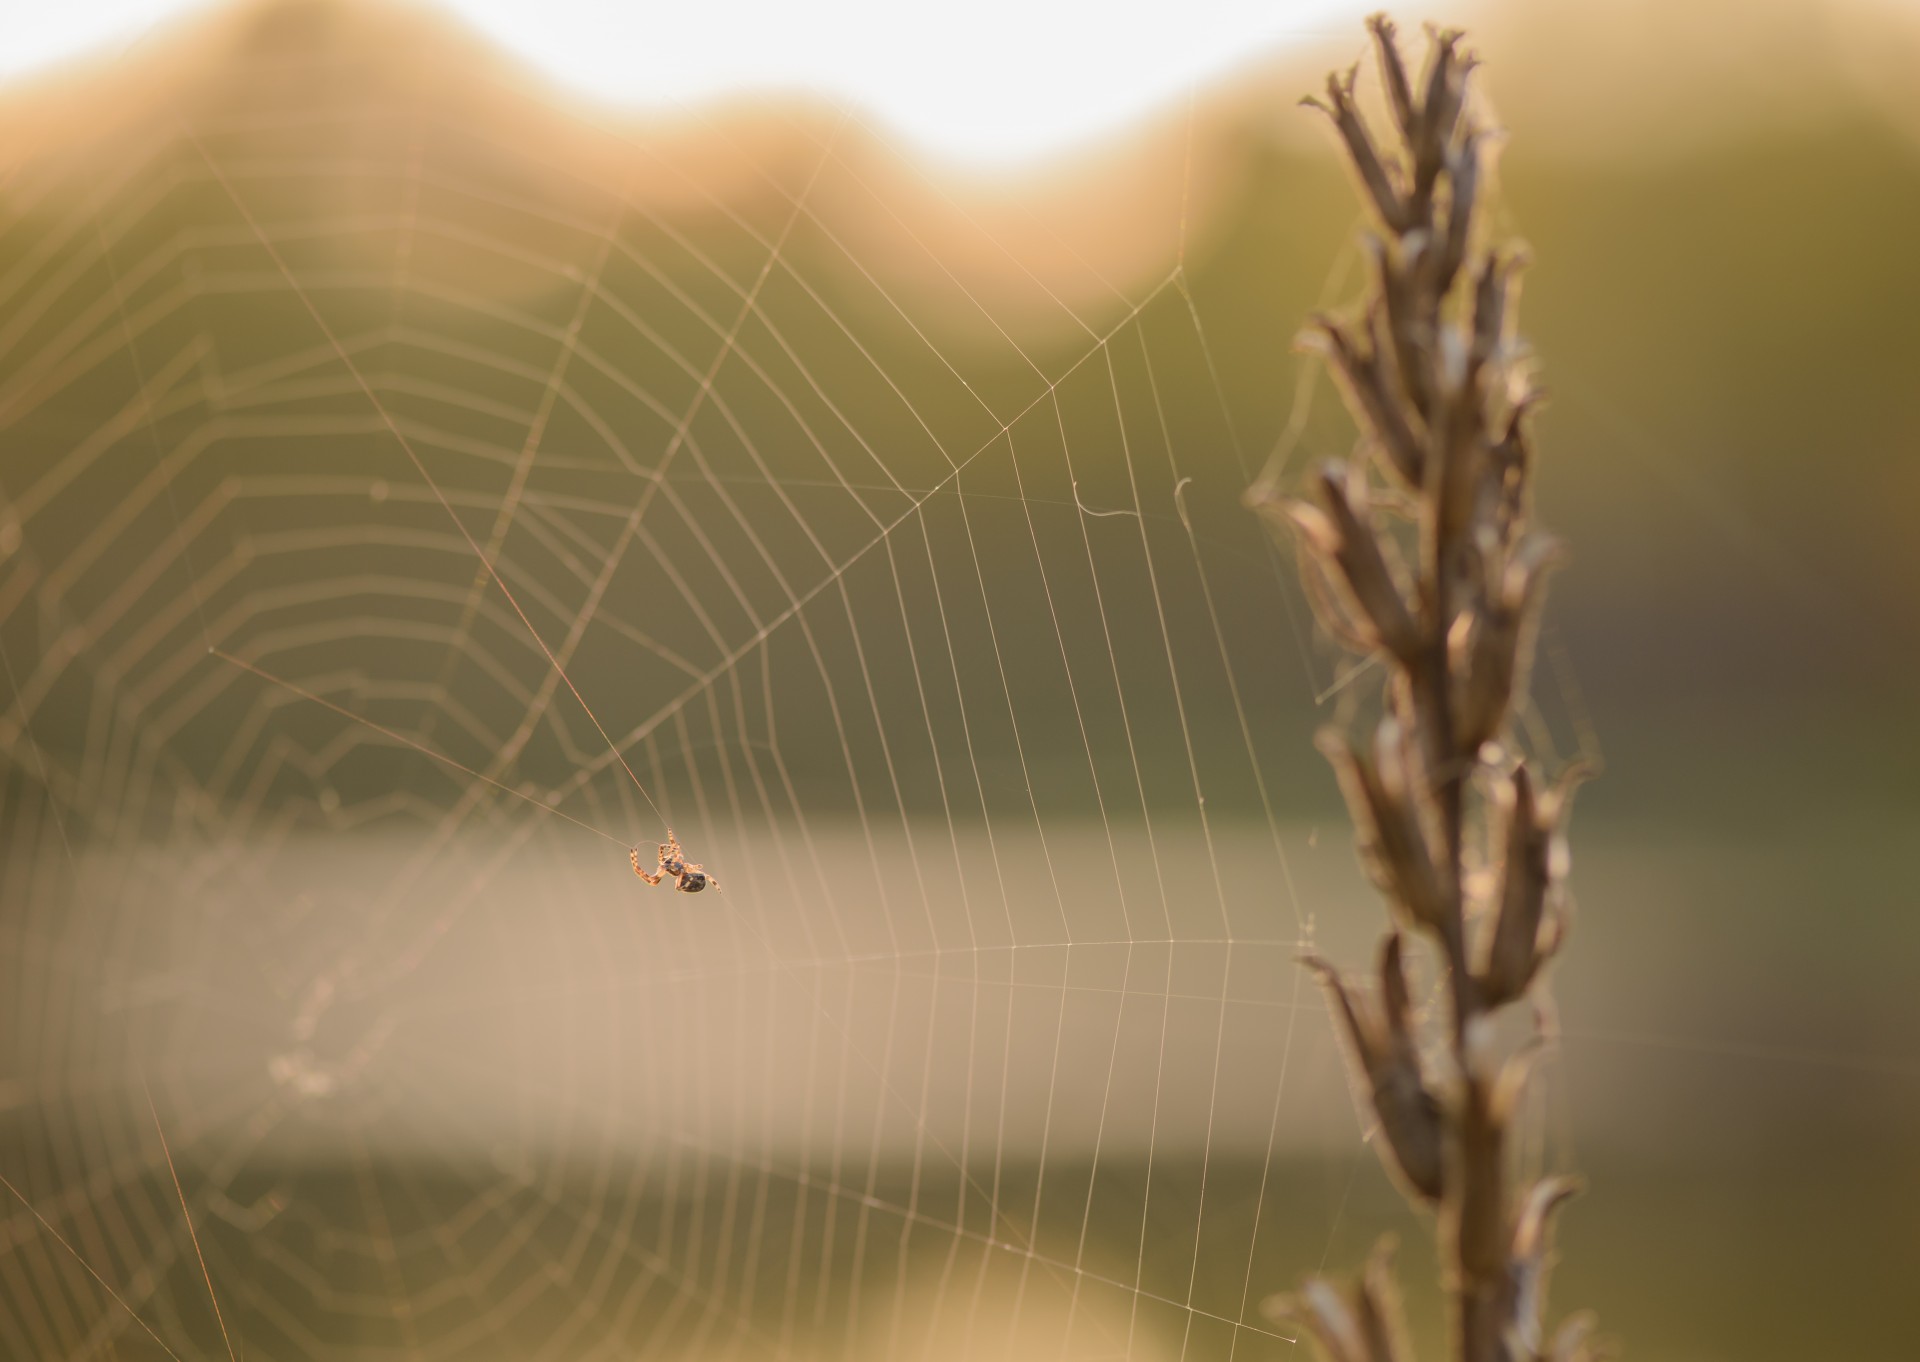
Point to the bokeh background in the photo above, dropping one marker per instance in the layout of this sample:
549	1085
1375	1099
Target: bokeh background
885	511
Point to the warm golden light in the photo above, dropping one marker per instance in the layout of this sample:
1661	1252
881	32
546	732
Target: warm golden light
1000	81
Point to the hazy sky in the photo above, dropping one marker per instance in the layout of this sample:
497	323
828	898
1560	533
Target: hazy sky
988	80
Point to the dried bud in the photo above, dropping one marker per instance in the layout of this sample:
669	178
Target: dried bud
1372	171
1363	1327
1532	1245
1523	936
1332	603
1509	462
1369	396
1352	557
1404	323
1386	1055
1443	98
1493	295
1463	181
1395	843
1393	74
1489	655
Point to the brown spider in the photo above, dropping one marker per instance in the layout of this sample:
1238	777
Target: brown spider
688	879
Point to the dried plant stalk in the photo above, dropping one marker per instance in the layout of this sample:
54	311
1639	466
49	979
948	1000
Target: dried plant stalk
1422	549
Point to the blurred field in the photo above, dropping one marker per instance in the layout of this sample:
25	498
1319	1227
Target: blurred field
577	1122
890	519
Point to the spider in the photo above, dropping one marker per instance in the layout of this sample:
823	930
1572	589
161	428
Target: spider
688	879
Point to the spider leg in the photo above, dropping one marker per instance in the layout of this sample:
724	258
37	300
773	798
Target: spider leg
633	855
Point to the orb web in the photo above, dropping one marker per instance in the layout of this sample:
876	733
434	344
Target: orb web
398	525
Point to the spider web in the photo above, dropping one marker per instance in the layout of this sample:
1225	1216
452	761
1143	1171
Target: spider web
398	525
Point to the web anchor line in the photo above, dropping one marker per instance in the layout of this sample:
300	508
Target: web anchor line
89	1268
186	1215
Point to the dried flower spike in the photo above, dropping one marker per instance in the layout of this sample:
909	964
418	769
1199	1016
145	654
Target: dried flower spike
1439	571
